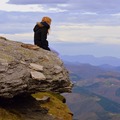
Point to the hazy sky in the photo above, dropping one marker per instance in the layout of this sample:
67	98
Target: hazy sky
78	26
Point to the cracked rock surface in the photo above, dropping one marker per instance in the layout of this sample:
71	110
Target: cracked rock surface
28	70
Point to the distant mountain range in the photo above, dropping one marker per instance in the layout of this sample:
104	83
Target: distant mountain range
96	91
106	60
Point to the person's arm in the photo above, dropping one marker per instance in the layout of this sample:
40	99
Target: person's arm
43	34
39	24
36	28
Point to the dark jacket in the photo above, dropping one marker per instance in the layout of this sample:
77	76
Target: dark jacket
40	35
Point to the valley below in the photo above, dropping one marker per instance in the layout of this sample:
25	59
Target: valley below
96	91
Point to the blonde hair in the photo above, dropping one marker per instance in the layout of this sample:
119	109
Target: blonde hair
47	20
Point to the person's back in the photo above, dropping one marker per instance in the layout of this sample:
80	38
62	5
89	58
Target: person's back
40	33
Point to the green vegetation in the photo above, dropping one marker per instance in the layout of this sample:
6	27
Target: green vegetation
106	103
74	77
19	108
108	83
117	93
109	105
6	115
56	107
108	76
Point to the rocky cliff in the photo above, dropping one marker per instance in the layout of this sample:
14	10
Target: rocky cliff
26	69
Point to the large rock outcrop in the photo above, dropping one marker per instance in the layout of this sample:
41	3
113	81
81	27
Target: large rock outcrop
29	69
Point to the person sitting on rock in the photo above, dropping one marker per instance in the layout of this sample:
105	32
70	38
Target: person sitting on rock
41	30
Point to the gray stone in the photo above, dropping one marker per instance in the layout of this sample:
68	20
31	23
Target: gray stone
3	62
57	69
45	99
38	75
3	68
36	67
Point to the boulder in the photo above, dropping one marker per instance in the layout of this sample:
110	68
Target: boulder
29	69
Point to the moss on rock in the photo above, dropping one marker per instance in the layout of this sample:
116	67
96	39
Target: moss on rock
55	106
6	115
28	108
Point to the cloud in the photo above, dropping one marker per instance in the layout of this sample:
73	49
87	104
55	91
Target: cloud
98	50
24	37
82	6
29	7
23	2
26	20
97	6
91	24
88	34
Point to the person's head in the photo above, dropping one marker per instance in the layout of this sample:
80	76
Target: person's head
47	20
